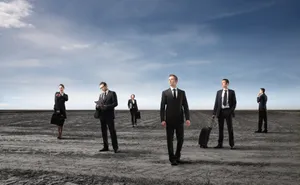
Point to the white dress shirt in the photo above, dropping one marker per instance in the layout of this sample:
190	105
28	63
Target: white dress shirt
227	104
176	91
131	104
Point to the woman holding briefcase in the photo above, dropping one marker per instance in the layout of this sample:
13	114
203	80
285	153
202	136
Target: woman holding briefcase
59	115
133	107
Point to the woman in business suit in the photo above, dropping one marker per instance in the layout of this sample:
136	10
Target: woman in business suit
59	108
133	107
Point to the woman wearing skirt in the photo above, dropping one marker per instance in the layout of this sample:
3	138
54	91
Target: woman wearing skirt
60	109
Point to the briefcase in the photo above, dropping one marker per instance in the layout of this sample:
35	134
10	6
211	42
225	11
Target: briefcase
57	119
97	114
138	115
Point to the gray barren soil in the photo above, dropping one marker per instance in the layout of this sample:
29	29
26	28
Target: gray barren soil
30	153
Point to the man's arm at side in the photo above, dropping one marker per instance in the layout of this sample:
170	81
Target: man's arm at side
186	107
216	105
233	101
162	107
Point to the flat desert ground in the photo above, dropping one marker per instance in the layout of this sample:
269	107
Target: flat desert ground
30	153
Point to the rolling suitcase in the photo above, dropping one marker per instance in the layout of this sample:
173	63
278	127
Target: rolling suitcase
204	135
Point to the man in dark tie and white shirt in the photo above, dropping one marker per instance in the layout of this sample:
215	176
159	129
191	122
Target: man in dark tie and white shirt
173	108
225	104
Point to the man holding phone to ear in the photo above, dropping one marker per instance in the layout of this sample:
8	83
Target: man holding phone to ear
262	111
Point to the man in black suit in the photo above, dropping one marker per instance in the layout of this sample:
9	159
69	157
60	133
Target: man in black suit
262	111
106	105
172	117
133	107
224	108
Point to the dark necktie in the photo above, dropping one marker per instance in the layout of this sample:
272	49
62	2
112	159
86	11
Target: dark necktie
225	98
174	93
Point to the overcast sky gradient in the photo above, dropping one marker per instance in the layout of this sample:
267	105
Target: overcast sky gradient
134	45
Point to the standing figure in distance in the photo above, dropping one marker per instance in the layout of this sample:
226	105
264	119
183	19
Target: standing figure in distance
262	111
59	107
173	108
106	105
133	107
224	108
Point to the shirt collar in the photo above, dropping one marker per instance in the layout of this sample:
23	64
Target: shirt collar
173	88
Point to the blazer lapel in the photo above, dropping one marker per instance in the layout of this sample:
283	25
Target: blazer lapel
170	92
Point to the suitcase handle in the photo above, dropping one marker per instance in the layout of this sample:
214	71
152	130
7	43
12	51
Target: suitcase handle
213	123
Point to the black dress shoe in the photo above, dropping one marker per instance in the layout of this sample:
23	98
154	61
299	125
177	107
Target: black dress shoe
104	150
178	161
59	137
174	163
232	148
218	146
116	151
265	131
258	131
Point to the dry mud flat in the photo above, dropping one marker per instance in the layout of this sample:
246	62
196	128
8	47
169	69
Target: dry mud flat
31	154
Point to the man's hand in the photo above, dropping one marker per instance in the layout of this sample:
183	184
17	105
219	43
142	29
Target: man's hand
188	123
259	94
163	123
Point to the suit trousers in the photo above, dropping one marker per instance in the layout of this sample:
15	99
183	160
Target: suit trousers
133	117
110	123
262	116
170	129
225	114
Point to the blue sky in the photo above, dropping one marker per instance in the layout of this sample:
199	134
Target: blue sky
134	45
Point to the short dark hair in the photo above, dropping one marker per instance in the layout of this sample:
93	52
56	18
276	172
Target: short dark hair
62	85
103	83
226	80
176	78
133	95
263	90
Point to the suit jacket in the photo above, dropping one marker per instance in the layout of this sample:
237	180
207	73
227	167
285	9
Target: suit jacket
173	110
133	105
106	106
59	102
218	102
262	100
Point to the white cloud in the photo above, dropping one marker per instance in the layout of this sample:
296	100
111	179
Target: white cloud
197	62
155	66
239	12
3	105
173	54
75	46
13	12
45	39
23	63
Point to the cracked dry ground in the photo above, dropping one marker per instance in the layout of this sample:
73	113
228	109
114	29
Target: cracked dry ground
31	154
